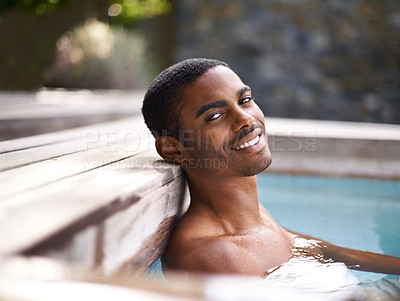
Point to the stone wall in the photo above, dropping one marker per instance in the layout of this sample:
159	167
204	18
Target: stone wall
320	59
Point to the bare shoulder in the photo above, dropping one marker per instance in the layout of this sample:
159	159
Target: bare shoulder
198	246
193	249
206	255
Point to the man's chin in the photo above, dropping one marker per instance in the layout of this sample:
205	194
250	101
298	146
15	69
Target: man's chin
257	168
266	164
269	163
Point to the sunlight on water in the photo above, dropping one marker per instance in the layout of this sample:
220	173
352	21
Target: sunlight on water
354	213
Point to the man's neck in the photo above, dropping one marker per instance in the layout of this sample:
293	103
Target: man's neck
231	201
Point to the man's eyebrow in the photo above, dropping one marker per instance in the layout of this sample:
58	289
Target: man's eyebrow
243	90
211	105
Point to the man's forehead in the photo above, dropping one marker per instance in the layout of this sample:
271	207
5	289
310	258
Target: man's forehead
220	74
215	84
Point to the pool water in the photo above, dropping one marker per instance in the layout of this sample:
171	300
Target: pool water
362	214
355	213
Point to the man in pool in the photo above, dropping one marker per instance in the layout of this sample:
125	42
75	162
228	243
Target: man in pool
205	119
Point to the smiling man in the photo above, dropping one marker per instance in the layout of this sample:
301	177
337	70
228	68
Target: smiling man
205	119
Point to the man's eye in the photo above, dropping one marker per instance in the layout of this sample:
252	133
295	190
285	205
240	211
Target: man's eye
246	99
213	117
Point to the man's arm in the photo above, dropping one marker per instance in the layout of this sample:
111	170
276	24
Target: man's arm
362	260
357	259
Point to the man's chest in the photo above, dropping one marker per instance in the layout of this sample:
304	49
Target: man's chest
267	247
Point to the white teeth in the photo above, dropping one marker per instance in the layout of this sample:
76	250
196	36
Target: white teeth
249	143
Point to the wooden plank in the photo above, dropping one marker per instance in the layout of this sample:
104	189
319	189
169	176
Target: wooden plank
16	128
287	127
48	152
112	137
68	135
26	114
136	237
19	179
68	195
49	103
27	177
130	239
335	157
31	217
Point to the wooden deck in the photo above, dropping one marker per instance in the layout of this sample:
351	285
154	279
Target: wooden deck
25	114
96	197
334	148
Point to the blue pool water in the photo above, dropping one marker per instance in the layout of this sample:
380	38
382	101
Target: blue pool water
355	213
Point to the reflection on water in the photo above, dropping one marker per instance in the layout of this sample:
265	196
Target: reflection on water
308	270
354	213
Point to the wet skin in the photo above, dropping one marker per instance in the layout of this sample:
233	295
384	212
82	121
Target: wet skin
222	146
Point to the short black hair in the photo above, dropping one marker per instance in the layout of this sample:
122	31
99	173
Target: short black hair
162	103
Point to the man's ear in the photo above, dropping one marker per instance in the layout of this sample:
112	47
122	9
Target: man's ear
169	149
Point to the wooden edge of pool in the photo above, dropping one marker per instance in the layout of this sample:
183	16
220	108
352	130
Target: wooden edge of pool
333	148
98	197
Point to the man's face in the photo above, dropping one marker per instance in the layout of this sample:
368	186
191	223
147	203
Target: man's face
222	128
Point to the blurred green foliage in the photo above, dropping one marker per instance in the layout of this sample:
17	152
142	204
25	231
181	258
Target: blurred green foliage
37	7
43	45
126	10
122	11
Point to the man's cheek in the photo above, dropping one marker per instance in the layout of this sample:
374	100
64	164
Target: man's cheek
211	143
186	139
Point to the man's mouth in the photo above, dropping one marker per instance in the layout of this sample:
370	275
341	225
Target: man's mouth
249	143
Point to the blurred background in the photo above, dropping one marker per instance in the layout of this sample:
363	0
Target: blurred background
317	59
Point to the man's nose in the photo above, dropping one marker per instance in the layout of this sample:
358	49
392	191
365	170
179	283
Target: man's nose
241	119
